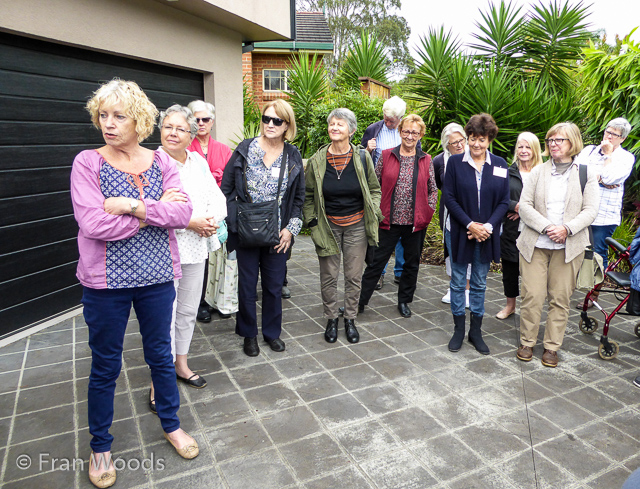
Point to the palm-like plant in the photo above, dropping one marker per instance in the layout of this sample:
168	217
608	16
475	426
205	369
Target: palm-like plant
366	58
307	83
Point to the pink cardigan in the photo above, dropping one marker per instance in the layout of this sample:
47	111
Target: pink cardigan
217	156
97	227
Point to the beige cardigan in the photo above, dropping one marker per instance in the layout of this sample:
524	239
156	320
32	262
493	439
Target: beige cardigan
580	210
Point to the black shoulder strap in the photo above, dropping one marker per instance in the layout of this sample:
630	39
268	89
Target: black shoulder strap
363	161
582	171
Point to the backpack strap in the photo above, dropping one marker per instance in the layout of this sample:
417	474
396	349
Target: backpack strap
363	161
582	172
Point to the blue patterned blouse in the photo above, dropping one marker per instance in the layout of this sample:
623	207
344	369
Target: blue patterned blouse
145	258
262	182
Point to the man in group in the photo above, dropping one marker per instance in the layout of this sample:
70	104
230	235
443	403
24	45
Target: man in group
612	165
377	137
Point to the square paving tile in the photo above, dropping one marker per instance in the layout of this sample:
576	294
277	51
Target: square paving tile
313	457
398	470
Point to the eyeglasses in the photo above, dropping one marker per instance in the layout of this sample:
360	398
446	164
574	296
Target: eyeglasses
557	141
179	130
276	120
613	134
407	133
459	142
206	120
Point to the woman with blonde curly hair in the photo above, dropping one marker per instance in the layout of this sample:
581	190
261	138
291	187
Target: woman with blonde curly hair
127	201
526	157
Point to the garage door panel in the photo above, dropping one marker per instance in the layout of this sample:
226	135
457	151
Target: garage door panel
32	260
23	157
34	208
42	110
36	233
28	133
26	85
37	309
16	183
36	284
83	66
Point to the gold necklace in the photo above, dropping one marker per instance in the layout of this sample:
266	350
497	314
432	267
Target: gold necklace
333	163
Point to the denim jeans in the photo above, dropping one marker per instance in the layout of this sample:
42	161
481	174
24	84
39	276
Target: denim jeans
600	233
397	268
106	312
477	282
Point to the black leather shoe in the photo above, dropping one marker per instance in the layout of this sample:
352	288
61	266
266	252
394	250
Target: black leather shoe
276	345
198	383
331	333
341	310
152	404
286	293
405	312
251	348
380	283
223	315
396	279
350	329
204	316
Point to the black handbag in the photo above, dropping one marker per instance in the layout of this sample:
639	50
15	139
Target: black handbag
633	304
258	222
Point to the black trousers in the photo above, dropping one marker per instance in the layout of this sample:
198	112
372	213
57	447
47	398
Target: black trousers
387	239
510	275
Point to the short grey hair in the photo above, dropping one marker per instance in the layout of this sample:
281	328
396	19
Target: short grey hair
620	124
344	115
184	112
202	106
394	107
448	130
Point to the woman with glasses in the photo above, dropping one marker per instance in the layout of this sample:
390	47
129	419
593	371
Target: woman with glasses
454	141
409	196
526	157
342	210
177	128
217	155
476	193
556	211
252	175
127	201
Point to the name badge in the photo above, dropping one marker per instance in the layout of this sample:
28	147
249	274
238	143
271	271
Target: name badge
498	171
275	172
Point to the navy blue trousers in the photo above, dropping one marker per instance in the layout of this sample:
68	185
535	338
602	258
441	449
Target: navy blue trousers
272	268
106	312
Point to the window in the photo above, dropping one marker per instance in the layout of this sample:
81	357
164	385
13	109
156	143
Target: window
275	80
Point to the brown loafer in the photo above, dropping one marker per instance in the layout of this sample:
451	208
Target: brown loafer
524	353
550	358
189	451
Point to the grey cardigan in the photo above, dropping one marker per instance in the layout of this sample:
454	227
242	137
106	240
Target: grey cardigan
580	210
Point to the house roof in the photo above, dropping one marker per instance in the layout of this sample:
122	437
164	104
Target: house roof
312	33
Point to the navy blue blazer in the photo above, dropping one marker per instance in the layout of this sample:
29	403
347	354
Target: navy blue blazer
460	192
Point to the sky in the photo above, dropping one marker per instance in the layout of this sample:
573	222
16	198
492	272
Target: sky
615	16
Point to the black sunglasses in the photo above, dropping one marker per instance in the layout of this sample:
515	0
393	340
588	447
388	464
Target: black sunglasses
276	120
206	120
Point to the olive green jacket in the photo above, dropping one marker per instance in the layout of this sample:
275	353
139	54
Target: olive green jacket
313	207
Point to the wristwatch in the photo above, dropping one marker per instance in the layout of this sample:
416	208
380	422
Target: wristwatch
134	205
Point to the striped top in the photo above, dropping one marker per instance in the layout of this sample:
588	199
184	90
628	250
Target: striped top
339	163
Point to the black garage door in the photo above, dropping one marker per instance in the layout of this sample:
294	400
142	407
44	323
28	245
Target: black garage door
43	125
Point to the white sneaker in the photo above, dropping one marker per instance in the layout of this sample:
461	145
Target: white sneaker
447	297
466	298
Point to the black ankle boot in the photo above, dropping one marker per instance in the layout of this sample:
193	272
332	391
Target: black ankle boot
458	333
331	333
350	329
475	335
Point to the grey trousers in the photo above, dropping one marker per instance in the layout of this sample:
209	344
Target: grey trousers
352	240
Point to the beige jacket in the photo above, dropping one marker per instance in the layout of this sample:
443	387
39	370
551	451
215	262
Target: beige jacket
580	210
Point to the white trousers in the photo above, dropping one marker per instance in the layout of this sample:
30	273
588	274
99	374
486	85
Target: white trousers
185	307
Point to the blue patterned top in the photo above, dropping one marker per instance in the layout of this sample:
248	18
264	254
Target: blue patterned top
143	259
262	182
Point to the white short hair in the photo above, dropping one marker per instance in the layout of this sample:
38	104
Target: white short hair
202	106
394	107
620	124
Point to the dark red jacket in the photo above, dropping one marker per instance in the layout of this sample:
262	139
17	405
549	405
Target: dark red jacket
422	211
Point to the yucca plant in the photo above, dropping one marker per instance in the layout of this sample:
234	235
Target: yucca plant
307	81
366	57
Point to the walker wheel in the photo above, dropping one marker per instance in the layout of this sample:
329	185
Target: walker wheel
636	330
609	356
589	326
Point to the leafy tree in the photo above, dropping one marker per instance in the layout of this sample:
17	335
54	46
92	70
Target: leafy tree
347	18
